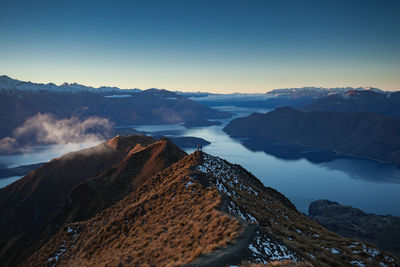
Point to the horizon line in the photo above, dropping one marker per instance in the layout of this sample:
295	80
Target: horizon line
194	91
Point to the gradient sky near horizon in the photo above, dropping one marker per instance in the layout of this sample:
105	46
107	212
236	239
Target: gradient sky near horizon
199	45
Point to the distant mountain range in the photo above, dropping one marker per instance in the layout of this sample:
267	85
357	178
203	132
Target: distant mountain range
135	201
7	83
361	134
293	97
318	92
151	106
359	101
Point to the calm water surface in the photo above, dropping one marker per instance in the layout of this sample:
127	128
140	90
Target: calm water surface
37	155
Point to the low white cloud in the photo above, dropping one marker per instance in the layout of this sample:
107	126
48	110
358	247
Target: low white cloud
8	145
47	129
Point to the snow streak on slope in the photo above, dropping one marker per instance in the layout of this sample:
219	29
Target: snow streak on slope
281	229
229	181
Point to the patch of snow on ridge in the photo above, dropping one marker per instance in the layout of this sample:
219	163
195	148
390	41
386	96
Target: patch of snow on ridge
335	251
371	251
389	259
56	256
188	184
358	263
224	173
228	181
235	210
264	250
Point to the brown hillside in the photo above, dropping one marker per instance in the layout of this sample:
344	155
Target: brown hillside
103	191
29	204
169	220
202	211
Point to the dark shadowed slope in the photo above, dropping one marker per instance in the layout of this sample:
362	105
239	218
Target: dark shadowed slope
383	231
204	211
359	101
28	205
96	194
359	134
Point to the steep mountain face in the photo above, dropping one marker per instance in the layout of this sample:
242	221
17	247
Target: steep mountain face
98	193
201	211
151	106
359	101
383	231
359	134
102	175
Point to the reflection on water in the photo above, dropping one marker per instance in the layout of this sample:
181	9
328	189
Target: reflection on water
287	151
367	170
357	168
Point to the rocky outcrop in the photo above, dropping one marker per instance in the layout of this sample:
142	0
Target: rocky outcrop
383	231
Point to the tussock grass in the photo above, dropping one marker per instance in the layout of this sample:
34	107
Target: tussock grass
165	222
171	219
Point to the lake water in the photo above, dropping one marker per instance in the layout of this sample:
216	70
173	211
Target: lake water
37	155
303	175
366	184
9	180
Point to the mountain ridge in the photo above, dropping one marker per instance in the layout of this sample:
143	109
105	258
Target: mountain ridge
156	205
190	213
46	192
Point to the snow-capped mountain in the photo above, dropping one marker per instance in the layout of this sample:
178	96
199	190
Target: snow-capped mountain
318	91
293	97
7	83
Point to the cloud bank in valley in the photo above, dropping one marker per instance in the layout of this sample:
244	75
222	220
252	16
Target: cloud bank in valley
44	129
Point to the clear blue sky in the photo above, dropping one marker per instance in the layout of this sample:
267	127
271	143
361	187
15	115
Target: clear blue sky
190	45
